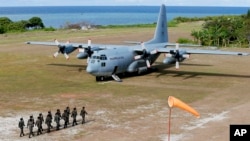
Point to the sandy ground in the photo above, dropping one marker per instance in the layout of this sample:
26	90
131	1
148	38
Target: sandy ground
226	102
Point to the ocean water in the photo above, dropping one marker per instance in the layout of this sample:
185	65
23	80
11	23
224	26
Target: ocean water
58	16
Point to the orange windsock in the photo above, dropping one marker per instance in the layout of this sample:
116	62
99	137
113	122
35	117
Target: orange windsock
175	102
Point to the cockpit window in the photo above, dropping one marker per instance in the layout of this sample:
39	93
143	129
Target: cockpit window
102	57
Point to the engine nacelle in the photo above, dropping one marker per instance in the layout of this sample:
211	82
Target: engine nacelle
137	66
171	57
67	49
169	60
82	55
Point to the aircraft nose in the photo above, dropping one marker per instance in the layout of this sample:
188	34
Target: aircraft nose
90	70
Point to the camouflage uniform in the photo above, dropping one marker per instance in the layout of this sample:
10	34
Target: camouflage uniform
58	112
73	115
65	118
57	120
83	113
30	124
68	113
38	124
51	117
48	121
41	120
21	125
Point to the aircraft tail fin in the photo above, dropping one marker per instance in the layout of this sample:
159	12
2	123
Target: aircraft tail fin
161	31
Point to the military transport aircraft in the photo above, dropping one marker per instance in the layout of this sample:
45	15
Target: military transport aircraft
109	60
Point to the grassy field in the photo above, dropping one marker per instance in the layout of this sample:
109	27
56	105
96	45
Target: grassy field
32	81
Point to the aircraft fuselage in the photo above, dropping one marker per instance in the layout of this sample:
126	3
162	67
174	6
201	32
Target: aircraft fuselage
104	63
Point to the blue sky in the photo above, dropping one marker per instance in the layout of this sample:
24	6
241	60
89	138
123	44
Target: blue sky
245	3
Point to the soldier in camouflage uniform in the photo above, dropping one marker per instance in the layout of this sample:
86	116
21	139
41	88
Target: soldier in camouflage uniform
65	118
38	124
58	112
51	117
41	120
48	121
30	125
83	113
21	125
68	113
73	115
57	120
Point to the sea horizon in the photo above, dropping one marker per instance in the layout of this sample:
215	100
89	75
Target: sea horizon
58	16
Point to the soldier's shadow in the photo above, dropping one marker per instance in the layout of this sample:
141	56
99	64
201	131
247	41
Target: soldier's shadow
79	122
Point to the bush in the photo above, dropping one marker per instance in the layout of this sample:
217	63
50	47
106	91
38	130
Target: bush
2	30
17	26
49	29
36	23
4	21
184	41
173	23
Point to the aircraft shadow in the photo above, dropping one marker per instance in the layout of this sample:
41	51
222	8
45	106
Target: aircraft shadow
162	70
158	68
192	74
79	123
80	67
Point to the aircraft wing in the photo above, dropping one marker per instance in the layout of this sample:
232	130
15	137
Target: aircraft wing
201	51
76	45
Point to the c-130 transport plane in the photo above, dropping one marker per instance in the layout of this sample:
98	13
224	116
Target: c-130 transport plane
109	60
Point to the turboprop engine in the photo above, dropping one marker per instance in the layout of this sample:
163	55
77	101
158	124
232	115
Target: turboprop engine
87	52
64	49
176	56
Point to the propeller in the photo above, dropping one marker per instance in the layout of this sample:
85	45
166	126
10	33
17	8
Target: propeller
88	49
61	49
176	54
145	54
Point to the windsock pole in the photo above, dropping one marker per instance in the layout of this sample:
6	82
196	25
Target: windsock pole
169	123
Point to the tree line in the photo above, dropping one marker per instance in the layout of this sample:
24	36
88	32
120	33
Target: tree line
222	30
7	25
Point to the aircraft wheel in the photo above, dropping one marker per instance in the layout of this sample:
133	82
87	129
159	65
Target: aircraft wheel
97	78
102	78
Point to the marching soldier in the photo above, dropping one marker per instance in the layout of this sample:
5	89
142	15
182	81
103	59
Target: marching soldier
83	113
51	118
73	115
30	125
58	112
68	113
57	120
38	124
65	118
41	120
21	125
48	121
